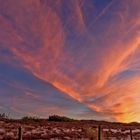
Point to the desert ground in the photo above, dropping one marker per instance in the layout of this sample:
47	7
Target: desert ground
78	130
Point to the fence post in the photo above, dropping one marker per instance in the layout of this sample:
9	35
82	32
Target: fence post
99	132
20	133
131	135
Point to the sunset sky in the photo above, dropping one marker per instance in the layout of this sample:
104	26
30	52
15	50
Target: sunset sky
77	58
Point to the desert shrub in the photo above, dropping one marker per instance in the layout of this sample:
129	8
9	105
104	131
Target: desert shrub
59	118
134	123
30	118
91	133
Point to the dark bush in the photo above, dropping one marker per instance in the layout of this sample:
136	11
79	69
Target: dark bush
59	118
30	118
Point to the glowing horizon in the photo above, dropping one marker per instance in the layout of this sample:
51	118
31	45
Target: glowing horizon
78	58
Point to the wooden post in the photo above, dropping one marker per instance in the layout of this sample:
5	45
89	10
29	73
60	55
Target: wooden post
99	132
131	135
19	133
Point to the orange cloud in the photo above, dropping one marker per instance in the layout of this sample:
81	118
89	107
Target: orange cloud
116	61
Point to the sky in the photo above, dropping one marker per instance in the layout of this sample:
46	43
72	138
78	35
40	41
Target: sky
76	58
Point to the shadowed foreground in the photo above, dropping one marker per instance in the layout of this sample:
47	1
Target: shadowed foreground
42	129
